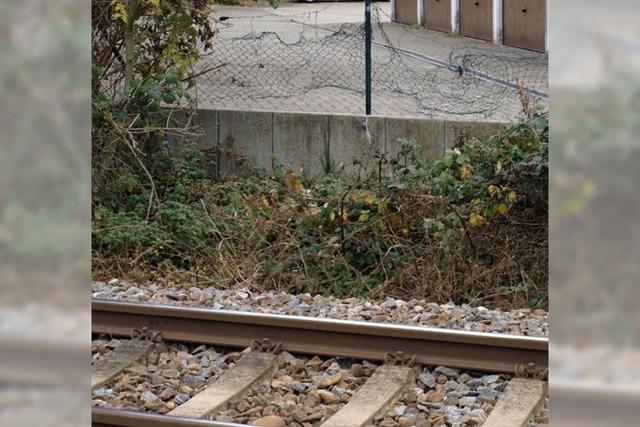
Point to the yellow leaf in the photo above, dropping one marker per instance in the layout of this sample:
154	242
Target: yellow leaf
511	197
476	220
288	176
292	181
465	172
120	11
345	217
365	195
332	215
364	216
492	190
501	209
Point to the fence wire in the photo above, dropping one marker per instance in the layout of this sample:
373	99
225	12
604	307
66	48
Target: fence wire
276	57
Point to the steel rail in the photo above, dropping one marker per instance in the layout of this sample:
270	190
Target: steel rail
106	417
329	337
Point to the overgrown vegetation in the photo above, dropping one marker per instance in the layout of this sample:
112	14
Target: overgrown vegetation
471	226
143	52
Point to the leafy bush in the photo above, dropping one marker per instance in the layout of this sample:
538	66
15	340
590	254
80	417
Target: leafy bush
471	226
142	53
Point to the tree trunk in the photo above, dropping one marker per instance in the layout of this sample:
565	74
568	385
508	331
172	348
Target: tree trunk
129	43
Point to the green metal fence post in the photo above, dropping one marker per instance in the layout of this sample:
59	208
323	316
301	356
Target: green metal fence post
367	55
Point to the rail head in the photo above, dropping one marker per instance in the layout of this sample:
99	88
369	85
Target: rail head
107	417
322	324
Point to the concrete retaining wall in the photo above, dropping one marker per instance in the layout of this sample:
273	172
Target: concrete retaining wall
299	141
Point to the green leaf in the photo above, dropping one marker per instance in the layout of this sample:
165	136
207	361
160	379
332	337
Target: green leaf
274	267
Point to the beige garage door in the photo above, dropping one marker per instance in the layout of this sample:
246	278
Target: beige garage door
524	23
437	14
476	19
407	12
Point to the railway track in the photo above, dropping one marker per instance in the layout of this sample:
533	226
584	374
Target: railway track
392	355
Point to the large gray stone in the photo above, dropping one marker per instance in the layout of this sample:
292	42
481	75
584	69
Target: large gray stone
245	141
428	133
356	137
300	141
456	132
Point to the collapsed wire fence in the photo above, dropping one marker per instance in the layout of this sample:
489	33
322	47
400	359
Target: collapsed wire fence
279	58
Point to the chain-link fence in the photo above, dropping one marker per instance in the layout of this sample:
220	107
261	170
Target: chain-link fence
295	62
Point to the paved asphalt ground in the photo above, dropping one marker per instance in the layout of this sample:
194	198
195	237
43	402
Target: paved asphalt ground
297	66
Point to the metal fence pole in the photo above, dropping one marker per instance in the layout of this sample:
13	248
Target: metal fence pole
367	55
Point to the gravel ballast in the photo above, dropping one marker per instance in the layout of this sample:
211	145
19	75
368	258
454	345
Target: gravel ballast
442	396
413	312
171	375
304	391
